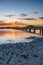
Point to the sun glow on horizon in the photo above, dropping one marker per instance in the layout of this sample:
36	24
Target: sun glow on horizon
28	21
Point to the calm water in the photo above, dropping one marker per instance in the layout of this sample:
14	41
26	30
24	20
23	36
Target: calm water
14	36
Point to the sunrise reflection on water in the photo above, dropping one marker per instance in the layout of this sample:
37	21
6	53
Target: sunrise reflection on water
14	36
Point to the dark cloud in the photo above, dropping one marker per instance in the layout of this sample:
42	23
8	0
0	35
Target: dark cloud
40	17
9	15
28	19
23	15
35	12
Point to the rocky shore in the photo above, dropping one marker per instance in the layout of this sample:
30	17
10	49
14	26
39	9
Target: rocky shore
28	53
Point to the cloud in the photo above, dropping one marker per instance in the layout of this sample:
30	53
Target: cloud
23	15
27	18
9	16
36	12
40	17
16	15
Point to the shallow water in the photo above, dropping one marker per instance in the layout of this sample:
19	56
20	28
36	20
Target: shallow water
15	36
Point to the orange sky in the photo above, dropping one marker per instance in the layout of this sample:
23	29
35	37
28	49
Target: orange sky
12	24
32	22
21	22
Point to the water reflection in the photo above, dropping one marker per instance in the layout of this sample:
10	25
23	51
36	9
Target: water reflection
14	36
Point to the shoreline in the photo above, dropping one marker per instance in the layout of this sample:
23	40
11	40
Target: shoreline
30	53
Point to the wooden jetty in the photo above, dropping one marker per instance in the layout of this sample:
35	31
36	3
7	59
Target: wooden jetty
34	28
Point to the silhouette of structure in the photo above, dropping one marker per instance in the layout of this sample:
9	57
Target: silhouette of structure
34	28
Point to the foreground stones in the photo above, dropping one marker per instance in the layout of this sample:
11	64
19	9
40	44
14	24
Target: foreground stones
23	53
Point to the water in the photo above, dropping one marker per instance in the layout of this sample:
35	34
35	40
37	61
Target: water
14	36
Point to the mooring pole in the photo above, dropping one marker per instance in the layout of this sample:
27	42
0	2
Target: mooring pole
34	30
42	31
29	30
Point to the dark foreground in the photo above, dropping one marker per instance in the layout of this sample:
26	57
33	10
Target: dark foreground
23	53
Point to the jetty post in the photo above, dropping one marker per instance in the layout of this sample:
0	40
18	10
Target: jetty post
42	31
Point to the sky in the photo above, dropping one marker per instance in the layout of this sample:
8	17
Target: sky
28	9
